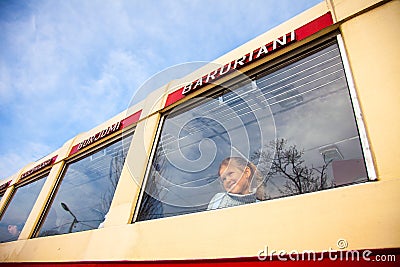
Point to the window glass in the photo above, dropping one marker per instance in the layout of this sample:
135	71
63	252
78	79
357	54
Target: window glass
86	190
289	131
18	210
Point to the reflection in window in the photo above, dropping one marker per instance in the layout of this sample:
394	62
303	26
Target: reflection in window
86	191
294	123
18	210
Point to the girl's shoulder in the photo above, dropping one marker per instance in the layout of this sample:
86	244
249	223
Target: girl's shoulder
215	201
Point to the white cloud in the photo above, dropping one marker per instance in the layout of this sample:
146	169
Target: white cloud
67	66
120	76
12	161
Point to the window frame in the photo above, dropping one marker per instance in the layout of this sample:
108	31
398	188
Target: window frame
365	144
3	190
20	184
87	152
264	68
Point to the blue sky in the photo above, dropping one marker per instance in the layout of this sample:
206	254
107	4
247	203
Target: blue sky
67	66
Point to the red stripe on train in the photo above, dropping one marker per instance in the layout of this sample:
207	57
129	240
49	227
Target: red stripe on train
121	125
374	258
301	33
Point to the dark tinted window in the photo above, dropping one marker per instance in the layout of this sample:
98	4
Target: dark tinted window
18	210
86	191
295	123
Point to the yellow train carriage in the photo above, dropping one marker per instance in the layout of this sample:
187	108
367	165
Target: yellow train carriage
310	107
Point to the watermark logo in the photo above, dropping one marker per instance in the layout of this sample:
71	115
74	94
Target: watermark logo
331	254
342	243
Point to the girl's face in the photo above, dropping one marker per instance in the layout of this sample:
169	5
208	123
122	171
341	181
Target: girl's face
13	230
234	179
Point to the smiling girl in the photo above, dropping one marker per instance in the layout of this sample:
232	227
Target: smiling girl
237	176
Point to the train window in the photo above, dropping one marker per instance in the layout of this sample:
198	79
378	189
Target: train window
86	190
17	212
288	131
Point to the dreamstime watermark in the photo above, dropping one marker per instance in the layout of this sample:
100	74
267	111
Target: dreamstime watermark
329	254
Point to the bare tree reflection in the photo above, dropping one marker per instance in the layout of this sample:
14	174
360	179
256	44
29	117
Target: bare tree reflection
152	208
280	161
115	170
116	165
